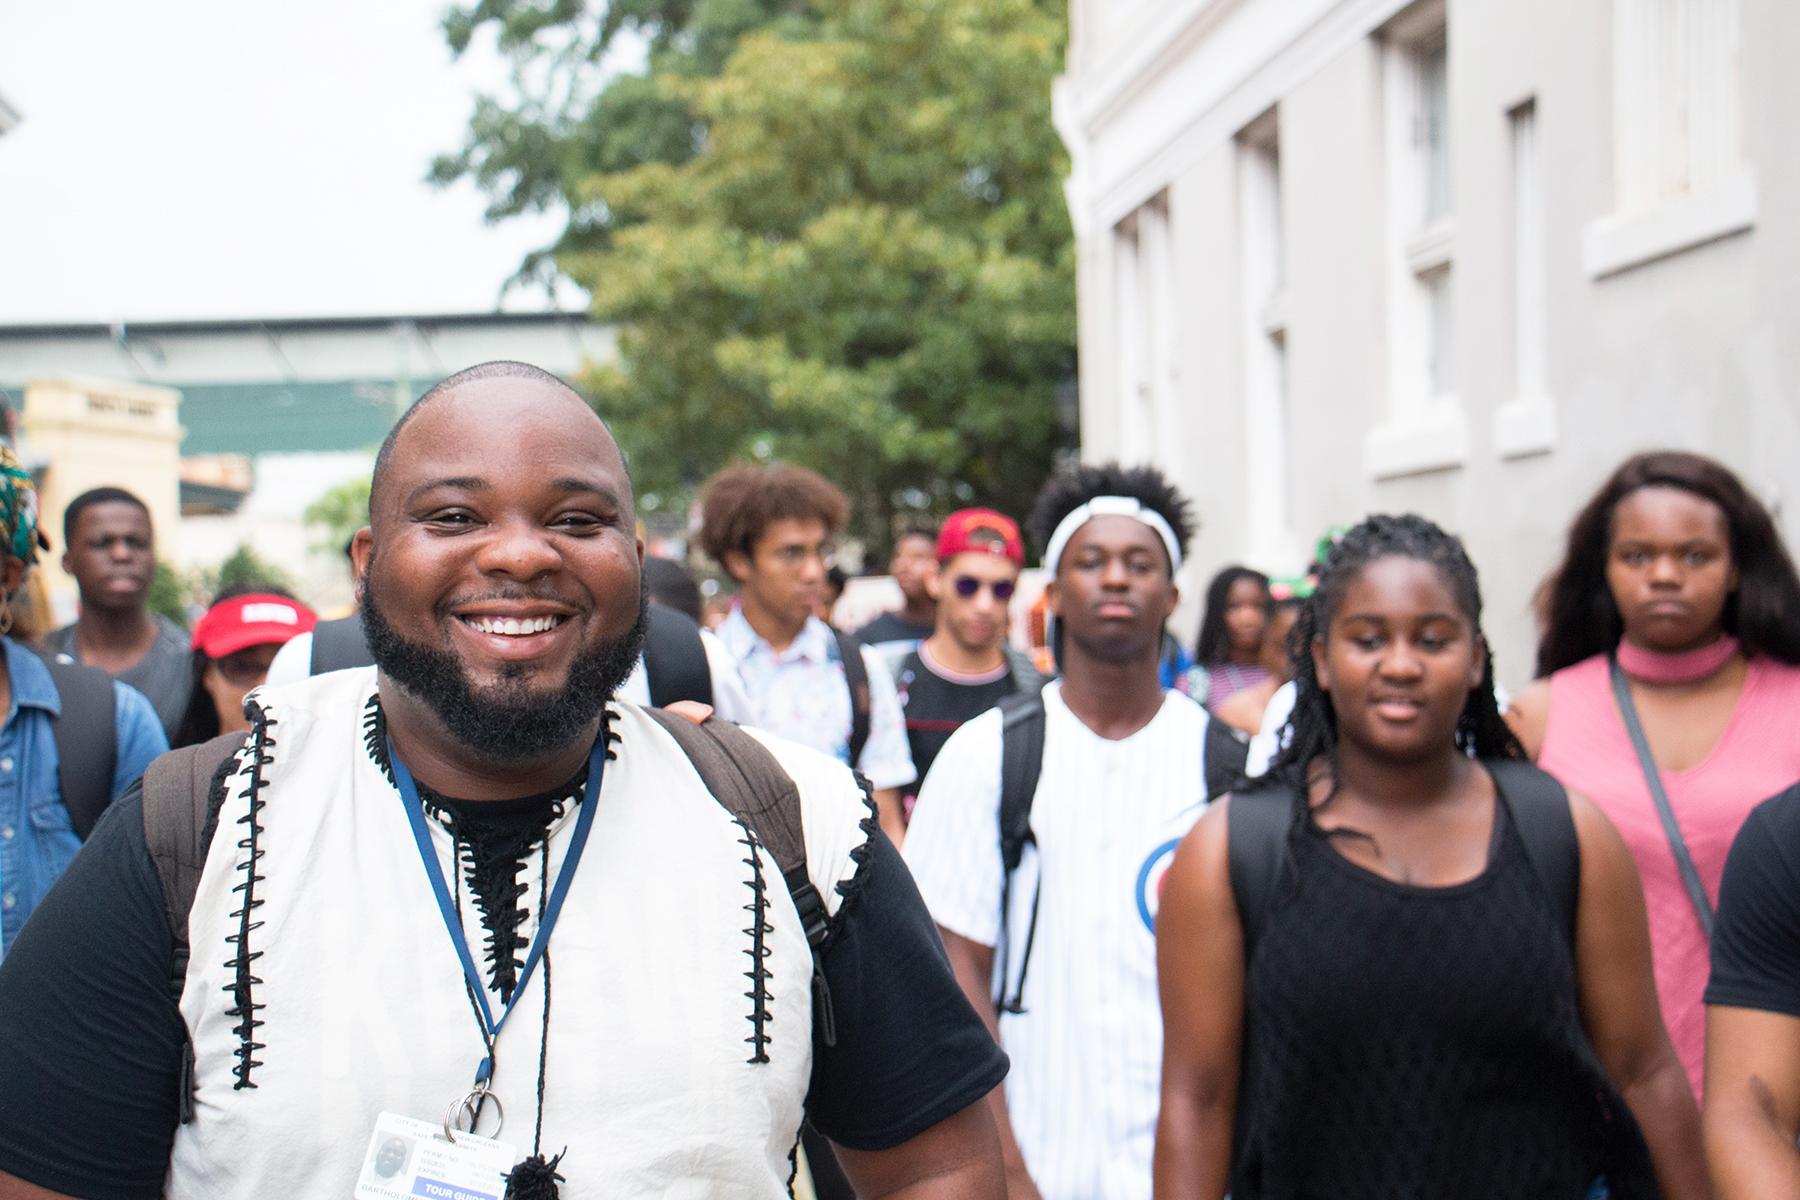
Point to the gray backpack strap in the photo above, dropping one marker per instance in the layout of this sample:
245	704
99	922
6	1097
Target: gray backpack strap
1023	672
181	795
1540	812
340	644
749	784
1256	834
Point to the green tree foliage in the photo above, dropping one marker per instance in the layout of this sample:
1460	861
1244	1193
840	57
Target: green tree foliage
339	513
168	594
245	567
830	232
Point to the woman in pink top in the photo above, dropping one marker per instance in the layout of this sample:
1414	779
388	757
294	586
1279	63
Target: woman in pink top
1675	571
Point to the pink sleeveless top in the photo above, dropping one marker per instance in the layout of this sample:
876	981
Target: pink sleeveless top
1587	748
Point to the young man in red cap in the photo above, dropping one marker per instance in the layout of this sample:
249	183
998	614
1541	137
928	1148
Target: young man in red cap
966	666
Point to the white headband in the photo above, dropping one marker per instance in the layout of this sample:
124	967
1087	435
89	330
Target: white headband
1109	506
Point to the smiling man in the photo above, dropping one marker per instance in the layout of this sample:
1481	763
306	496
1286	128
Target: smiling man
1119	779
470	887
111	552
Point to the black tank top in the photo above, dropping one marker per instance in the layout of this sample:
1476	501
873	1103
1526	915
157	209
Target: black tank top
1422	1042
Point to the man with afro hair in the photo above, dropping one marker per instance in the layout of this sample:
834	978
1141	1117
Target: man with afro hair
1059	952
770	528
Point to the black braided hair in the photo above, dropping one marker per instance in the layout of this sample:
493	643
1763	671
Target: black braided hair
1311	732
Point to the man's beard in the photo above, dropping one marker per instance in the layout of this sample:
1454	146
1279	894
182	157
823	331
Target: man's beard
510	722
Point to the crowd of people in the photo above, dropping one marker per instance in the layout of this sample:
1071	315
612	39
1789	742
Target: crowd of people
1310	907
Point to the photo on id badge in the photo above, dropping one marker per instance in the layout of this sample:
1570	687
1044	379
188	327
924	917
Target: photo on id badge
410	1159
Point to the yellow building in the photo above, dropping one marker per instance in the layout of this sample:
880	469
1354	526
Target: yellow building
91	433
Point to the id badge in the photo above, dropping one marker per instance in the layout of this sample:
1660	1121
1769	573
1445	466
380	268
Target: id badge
412	1160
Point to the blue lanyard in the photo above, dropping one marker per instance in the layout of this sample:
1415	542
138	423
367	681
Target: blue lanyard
415	816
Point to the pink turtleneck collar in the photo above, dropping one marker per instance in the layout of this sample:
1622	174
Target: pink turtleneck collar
1688	666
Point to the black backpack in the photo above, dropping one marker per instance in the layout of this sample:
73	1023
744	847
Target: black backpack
674	655
87	739
1262	816
856	678
1223	753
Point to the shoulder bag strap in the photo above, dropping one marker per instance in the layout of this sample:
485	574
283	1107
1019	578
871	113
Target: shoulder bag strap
1225	754
1256	842
339	644
1540	811
1021	762
86	732
675	659
1690	875
856	678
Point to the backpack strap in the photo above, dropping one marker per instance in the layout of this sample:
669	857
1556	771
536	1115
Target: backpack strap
183	792
340	644
87	739
675	659
856	677
1256	833
1021	762
182	795
1023	672
1540	812
1224	753
751	785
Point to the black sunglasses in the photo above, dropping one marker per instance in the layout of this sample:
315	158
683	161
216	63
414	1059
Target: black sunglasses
967	586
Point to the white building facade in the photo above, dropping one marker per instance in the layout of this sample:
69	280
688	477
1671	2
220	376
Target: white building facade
1456	257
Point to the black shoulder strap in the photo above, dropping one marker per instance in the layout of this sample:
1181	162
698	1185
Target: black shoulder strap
1021	762
1540	811
182	794
1226	752
340	644
87	739
1256	830
675	659
856	677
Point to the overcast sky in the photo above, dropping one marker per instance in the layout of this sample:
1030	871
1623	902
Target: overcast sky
240	158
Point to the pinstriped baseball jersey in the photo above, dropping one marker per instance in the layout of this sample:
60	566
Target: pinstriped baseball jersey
1087	1051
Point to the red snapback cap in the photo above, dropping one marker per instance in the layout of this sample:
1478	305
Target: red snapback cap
957	535
256	619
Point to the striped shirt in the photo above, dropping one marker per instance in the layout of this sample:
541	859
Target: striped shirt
1108	815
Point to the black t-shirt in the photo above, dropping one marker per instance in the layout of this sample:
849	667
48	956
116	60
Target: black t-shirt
91	1039
936	706
888	627
1756	934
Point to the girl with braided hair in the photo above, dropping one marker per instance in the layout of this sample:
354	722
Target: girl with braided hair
1413	1005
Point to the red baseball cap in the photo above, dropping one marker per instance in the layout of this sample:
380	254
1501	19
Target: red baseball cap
957	535
256	619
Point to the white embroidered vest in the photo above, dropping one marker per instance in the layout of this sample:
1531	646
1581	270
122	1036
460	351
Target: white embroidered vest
358	997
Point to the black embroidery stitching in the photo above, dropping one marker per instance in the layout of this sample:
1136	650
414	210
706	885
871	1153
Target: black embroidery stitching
375	736
849	890
758	931
243	981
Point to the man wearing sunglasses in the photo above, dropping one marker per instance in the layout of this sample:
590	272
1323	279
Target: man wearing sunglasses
966	666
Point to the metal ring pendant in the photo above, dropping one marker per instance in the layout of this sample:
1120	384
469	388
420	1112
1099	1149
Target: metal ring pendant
468	1109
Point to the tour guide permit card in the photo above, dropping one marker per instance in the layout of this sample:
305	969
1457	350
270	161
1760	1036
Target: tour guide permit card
409	1159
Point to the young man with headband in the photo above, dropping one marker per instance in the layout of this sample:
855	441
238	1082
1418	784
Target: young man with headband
1059	951
965	667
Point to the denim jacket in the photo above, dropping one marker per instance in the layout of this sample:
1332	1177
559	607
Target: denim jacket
37	840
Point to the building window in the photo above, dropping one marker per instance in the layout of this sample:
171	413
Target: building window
1526	422
1144	281
1265	339
1679	174
1424	429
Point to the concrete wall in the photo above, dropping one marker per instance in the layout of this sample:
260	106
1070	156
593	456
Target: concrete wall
1698	348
